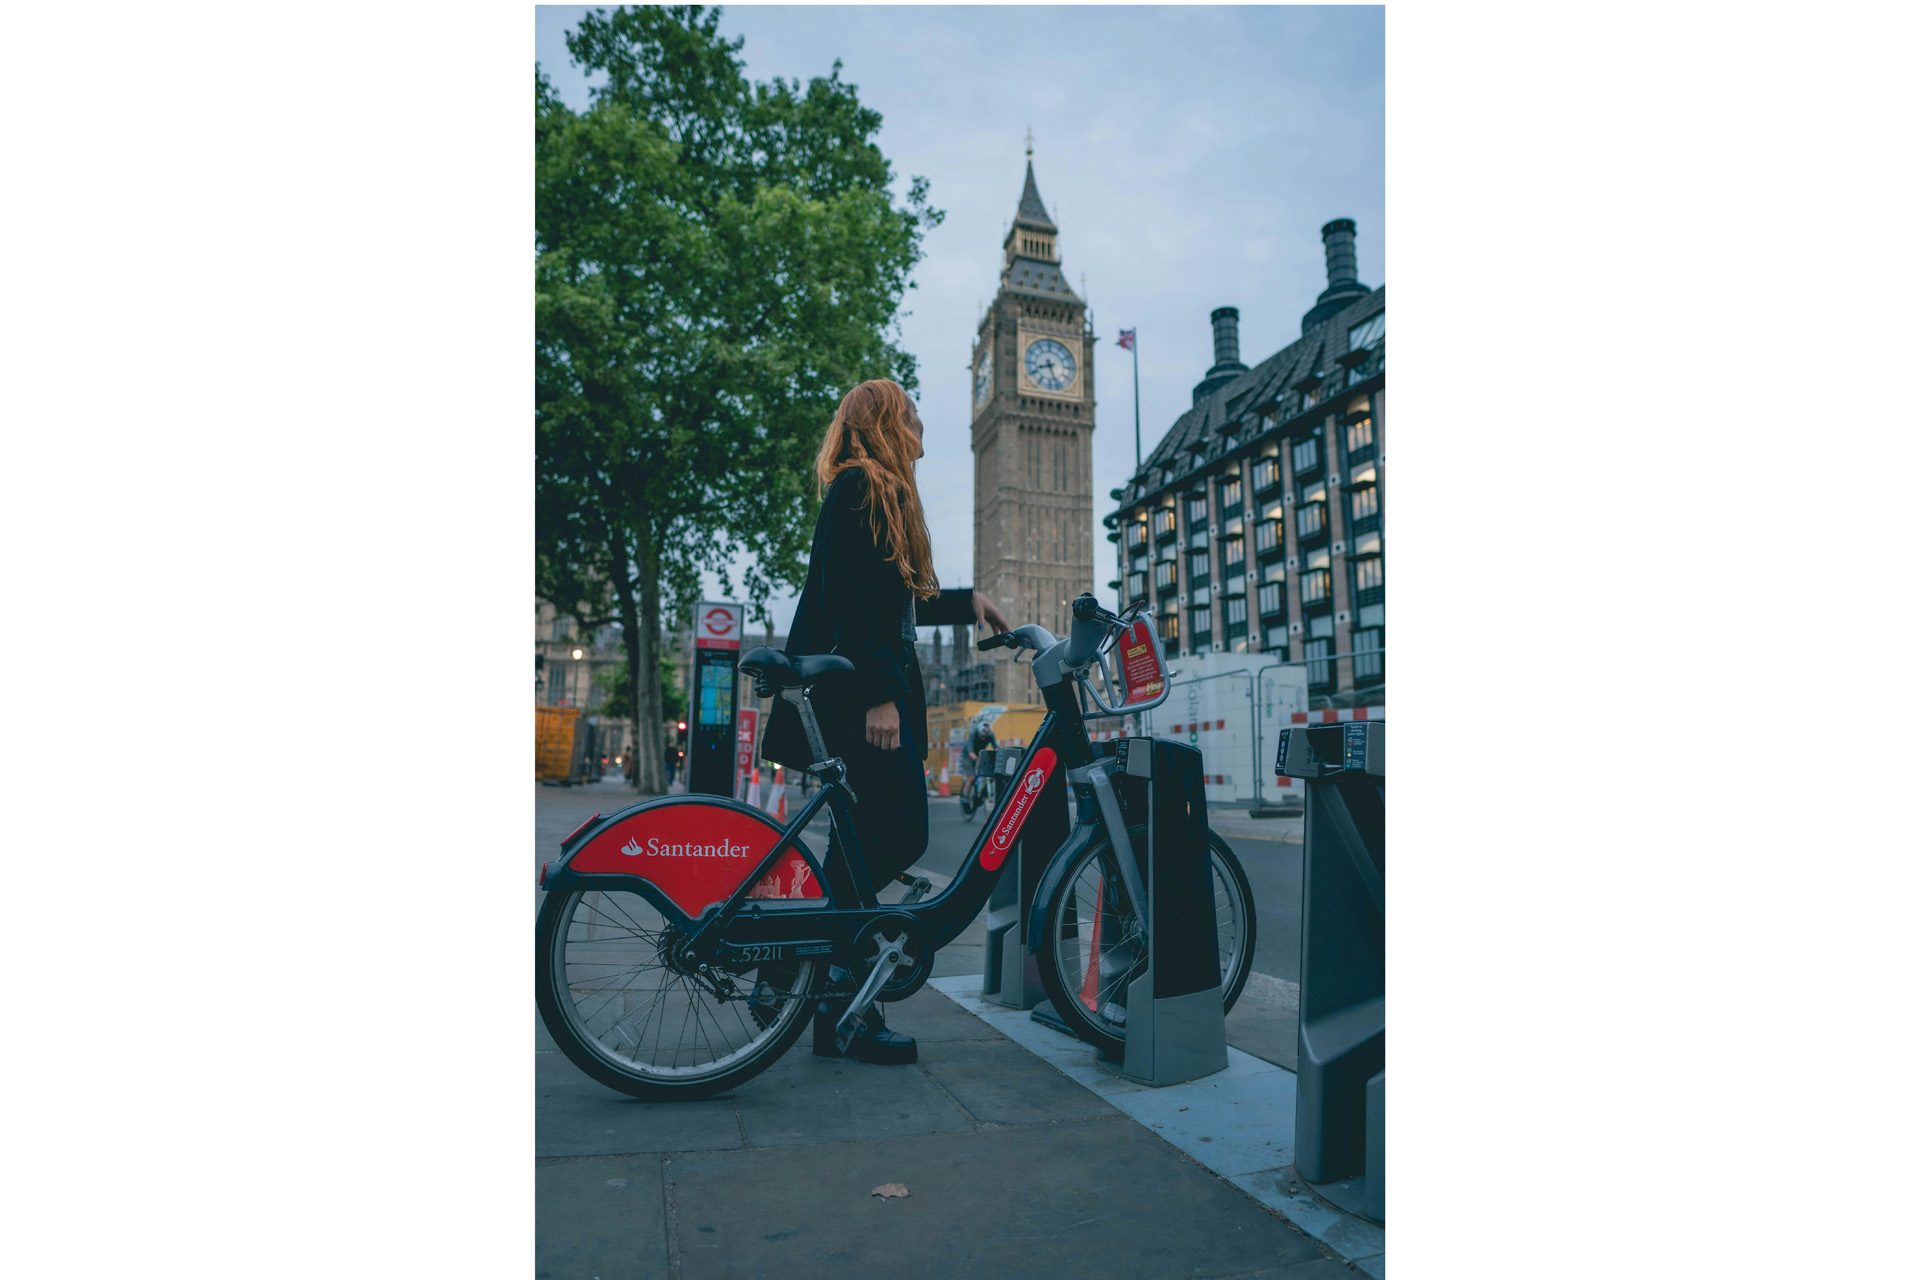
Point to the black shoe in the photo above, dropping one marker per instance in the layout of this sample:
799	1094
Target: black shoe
875	1044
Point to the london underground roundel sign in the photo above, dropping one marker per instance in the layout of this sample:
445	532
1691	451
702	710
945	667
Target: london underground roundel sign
716	626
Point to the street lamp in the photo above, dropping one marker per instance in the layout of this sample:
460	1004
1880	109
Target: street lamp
579	654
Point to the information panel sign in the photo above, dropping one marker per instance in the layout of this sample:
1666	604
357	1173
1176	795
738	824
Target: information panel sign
717	628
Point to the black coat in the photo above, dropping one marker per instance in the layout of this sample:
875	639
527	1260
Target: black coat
857	605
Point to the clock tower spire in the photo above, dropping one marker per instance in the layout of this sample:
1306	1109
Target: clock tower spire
1032	437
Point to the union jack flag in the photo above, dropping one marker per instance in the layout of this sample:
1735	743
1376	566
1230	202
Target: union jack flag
1126	338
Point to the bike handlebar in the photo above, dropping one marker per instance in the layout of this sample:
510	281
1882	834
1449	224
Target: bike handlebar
1094	630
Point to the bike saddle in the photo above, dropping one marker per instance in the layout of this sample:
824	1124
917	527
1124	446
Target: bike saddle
773	670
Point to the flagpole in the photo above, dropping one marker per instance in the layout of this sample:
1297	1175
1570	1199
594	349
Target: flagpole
1135	348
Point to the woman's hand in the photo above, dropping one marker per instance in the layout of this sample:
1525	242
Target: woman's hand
986	615
883	726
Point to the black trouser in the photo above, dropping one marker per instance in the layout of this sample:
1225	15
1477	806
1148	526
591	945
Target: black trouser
890	816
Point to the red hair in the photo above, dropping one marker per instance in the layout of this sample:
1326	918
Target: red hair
873	431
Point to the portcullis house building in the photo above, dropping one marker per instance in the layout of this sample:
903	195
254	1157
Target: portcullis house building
1258	523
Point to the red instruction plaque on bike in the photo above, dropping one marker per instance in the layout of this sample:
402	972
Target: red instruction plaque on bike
1140	670
697	854
1025	796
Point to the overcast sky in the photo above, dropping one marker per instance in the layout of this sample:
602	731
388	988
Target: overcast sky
1189	155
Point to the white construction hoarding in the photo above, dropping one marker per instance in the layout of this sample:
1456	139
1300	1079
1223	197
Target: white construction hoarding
1231	706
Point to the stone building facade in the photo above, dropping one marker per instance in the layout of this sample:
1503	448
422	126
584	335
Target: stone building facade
1258	523
566	663
1033	409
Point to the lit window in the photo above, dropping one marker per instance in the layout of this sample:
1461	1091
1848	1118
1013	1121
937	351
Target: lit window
1310	521
1359	436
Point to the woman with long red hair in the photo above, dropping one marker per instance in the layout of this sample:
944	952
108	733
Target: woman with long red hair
870	582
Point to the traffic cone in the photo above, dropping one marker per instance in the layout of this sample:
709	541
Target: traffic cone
943	782
780	784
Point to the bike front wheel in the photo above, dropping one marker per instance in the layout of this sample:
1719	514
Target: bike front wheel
1093	946
619	1004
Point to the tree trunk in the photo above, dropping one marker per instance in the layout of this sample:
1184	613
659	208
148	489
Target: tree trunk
652	715
640	637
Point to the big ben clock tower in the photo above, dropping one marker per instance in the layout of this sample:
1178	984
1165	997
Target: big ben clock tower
1032	440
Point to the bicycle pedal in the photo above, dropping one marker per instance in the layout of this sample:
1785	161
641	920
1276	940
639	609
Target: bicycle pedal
848	1029
917	888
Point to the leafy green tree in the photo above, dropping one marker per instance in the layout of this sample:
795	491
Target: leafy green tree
615	704
718	261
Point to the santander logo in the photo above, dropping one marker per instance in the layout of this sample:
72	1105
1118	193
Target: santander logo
1008	830
656	848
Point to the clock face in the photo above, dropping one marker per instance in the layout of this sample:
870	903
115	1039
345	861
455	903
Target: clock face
983	378
1050	365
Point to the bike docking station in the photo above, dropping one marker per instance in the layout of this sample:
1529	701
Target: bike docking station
1340	1102
1175	1012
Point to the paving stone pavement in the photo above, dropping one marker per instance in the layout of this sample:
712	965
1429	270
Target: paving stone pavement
1013	1169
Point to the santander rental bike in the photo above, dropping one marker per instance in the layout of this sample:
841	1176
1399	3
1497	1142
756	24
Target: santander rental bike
683	943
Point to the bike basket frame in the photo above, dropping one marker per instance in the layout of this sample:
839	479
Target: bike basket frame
1135	651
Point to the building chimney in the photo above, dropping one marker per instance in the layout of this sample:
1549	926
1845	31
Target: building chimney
1226	353
1338	237
1343	283
1226	339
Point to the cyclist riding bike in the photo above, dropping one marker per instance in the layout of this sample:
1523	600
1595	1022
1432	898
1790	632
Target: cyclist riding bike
980	738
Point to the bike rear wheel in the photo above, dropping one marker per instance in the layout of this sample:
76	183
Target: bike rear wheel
620	1006
1092	946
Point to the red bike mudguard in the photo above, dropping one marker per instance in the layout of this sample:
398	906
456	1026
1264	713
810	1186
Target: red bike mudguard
695	851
